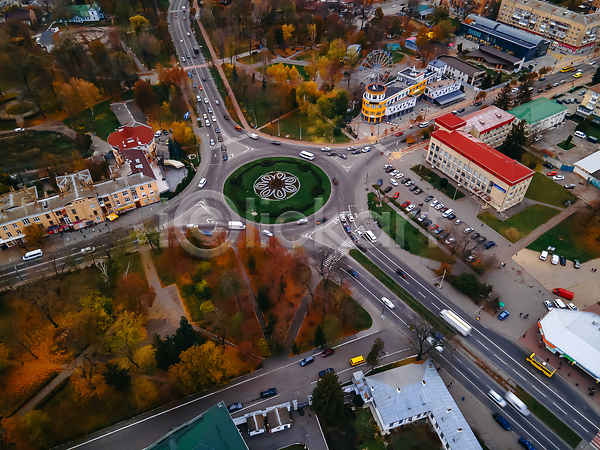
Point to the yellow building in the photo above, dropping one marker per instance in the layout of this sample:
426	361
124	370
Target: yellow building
382	103
574	32
80	204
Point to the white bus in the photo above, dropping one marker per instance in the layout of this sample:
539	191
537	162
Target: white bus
456	322
307	155
32	255
516	403
236	225
370	236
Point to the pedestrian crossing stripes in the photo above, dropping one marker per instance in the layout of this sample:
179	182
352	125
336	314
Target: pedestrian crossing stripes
229	140
339	253
596	441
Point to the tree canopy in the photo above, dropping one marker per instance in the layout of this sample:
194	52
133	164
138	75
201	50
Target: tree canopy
328	398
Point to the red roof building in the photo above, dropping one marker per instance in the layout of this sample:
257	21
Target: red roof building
498	180
490	125
126	138
138	162
449	122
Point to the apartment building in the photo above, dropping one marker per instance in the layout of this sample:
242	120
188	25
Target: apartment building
496	180
490	125
589	103
457	69
126	138
444	92
479	7
81	203
571	31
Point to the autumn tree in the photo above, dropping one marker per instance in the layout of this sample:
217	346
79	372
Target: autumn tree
199	368
77	95
138	23
424	44
148	235
134	294
144	95
328	398
125	334
144	392
376	349
147	47
3	357
422	330
183	134
34	236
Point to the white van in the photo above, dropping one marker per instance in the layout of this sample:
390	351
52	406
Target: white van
580	134
516	403
32	255
253	136
370	236
236	225
447	213
497	398
560	304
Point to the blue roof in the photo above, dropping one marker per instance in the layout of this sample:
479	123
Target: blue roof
504	31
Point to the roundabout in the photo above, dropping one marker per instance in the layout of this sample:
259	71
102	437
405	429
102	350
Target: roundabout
277	190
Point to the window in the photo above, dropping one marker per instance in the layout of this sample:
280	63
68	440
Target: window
141	188
126	192
5	228
93	206
115	196
9	234
36	219
19	232
73	211
15	225
127	200
47	216
26	222
118	203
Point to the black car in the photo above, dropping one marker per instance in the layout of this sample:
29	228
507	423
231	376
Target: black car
489	245
418	191
426	223
389	169
343	156
226	116
482	239
461	110
502	421
268	393
203	78
406	180
401	272
563	261
547	165
323	220
225	157
362	248
413	188
475	236
235	407
275	142
332	154
323	372
451	217
429	198
477	104
356	152
387	189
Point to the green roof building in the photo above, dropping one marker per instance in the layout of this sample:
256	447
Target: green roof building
212	430
540	114
86	13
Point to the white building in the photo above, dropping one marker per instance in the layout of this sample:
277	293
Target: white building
490	125
279	419
444	92
540	114
413	392
588	168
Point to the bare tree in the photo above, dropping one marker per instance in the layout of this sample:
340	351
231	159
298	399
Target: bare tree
324	263
422	331
103	268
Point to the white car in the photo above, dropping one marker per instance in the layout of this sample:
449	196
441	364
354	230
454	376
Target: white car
301	221
548	304
544	255
450	240
497	398
205	100
447	213
157	134
214	119
409	183
433	203
457	222
422	217
468	230
423	124
88	249
212	142
554	260
394	172
410	207
216	102
188	34
181	41
198	98
386	301
439	206
325	149
366	150
358	233
267	233
399	175
350	218
385	166
207	123
202	183
558	177
343	218
393	182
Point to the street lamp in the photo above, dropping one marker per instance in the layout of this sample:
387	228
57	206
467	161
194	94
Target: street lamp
457	186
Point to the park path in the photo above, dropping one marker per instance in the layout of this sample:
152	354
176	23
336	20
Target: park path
166	312
246	279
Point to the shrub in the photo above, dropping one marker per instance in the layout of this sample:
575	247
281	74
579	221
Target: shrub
236	181
317	190
337	131
266	162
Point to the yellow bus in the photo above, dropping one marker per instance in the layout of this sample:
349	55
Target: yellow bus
356	361
567	68
540	364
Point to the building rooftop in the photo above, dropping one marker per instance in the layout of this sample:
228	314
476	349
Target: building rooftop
131	137
450	122
591	163
117	184
559	11
138	163
502	31
487	119
436	63
442	83
492	55
537	110
415	389
576	334
459	64
212	430
494	162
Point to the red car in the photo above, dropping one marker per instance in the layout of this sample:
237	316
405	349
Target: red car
433	226
551	174
399	133
328	352
396	195
405	204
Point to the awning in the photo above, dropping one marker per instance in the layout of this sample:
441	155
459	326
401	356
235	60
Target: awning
112	217
174	163
450	98
126	208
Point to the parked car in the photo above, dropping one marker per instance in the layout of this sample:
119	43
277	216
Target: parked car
235	407
548	165
467	230
544	255
268	393
428	198
548	304
387	189
502	421
489	245
405	204
552	173
324	371
563	261
555	259
327	352
409	208
449	241
572	306
503	315
423	124
380	182
526	444
307	360
576	263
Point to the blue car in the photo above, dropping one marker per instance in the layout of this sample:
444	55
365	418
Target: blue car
502	421
489	245
525	443
379	182
503	315
323	372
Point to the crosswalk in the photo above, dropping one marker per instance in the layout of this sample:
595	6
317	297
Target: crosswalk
343	250
596	441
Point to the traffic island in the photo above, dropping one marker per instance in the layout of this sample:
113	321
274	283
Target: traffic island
277	190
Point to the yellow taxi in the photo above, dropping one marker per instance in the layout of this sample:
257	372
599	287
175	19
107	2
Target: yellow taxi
578	75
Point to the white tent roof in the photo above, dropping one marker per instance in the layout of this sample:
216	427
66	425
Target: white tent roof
174	163
576	334
589	164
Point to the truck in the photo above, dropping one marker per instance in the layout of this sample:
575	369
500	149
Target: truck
456	322
563	293
236	225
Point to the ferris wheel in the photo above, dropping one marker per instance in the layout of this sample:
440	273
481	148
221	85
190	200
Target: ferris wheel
376	67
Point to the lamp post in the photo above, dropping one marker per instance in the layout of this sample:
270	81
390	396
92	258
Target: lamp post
457	186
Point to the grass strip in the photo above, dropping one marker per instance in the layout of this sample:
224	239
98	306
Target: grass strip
412	302
542	413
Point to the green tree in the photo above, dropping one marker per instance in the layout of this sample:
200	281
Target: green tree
376	349
116	376
524	94
584	124
125	334
503	99
320	340
486	83
513	145
467	283
148	236
498	78
596	77
328	398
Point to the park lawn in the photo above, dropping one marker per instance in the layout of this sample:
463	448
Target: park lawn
397	56
404	233
528	159
544	189
289	128
26	151
337	321
576	237
524	222
102	122
303	203
364	416
413	436
255	58
305	56
565	145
